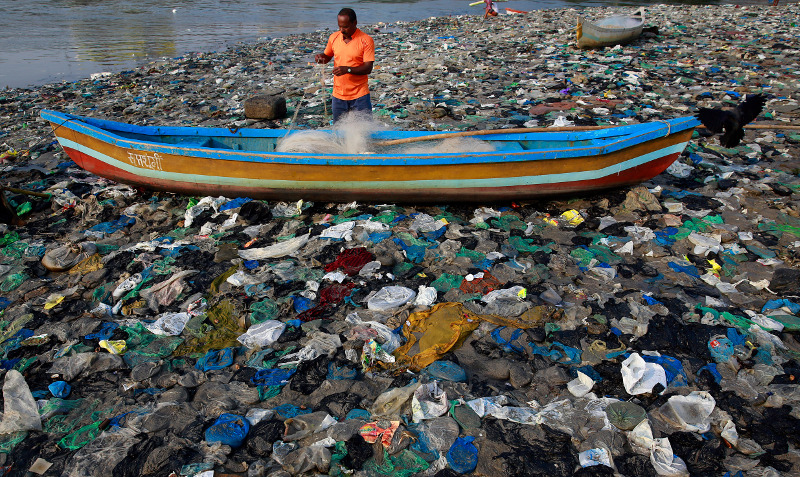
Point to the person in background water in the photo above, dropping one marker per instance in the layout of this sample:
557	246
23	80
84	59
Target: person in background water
491	9
353	53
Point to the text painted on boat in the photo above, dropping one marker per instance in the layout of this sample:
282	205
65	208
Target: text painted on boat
146	160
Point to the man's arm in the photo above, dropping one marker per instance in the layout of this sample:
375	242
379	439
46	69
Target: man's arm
322	58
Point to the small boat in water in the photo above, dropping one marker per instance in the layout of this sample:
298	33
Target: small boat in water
514	164
610	31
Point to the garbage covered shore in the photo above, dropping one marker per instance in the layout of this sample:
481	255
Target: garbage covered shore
644	331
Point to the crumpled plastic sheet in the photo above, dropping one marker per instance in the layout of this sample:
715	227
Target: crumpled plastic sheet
428	401
390	297
262	334
639	376
20	412
280	249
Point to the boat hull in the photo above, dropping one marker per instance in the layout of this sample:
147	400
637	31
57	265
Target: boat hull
465	177
610	31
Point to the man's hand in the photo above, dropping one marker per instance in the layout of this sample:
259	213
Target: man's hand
322	58
339	70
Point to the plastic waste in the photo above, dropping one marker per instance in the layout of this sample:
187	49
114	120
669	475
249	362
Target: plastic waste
390	297
463	455
228	429
277	250
581	385
625	415
303	425
592	457
426	296
65	257
169	324
639	376
382	431
691	412
390	402
428	401
60	389
263	334
445	370
20	412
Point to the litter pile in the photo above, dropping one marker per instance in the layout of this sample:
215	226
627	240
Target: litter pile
639	332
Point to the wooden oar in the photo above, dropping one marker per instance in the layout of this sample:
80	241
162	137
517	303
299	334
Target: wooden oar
434	137
788	127
14	190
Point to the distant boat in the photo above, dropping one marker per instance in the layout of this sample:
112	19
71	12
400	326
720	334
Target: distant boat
511	11
610	31
522	163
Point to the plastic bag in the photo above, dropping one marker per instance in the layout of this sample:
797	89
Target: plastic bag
372	432
228	429
429	401
639	377
581	385
426	296
319	345
463	455
280	249
390	297
665	461
445	370
169	324
390	402
262	334
303	425
306	459
20	412
691	412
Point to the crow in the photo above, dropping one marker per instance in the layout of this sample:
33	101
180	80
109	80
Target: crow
732	120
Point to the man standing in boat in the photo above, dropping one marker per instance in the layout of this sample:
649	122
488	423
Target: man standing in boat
353	53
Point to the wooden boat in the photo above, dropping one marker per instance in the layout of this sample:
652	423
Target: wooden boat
610	31
243	162
511	11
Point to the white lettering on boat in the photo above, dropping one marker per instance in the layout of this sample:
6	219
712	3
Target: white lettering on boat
145	160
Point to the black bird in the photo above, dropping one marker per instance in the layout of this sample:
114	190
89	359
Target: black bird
732	120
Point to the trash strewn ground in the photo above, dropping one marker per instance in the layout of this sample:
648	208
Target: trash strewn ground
644	331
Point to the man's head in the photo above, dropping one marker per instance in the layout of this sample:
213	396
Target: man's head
347	22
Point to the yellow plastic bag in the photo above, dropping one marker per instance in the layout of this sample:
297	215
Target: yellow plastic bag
431	334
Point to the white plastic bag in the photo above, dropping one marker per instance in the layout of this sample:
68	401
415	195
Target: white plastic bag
692	412
581	385
280	249
170	324
665	461
429	401
426	296
20	412
262	334
639	376
390	297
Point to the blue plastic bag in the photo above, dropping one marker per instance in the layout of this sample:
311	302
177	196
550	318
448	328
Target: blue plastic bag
463	455
446	370
229	429
272	377
215	359
60	389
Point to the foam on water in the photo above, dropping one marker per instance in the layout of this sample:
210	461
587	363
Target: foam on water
352	134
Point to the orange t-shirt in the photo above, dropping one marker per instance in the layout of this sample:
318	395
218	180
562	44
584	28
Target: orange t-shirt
360	50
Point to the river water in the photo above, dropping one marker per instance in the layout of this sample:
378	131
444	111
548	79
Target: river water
65	40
